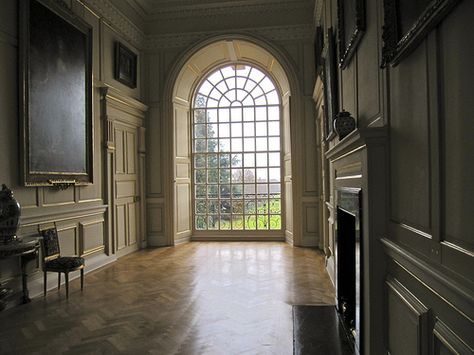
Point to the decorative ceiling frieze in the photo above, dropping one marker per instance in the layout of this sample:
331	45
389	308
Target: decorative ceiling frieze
131	32
120	22
277	33
218	9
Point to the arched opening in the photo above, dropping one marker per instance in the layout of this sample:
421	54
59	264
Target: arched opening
183	86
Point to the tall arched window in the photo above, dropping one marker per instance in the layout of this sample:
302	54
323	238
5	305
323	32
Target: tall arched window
236	151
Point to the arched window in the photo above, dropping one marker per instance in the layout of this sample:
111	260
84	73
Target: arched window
236	151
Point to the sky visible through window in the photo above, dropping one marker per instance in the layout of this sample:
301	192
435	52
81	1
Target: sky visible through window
236	151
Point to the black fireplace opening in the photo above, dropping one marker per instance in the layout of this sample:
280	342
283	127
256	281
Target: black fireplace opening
348	262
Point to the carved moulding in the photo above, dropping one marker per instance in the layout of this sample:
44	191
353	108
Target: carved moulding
349	37
399	42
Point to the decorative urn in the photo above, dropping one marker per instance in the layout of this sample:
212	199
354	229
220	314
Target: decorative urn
344	124
10	211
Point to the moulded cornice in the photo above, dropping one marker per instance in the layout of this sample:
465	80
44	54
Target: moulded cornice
276	33
234	7
117	20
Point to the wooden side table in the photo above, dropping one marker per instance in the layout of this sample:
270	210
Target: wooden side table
26	250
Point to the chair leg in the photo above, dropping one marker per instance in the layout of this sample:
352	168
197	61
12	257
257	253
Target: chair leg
45	280
59	280
82	279
66	276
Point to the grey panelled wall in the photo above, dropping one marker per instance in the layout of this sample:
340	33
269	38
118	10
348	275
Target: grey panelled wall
426	103
81	212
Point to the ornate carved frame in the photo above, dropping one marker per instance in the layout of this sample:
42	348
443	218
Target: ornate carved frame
331	102
51	125
398	45
346	50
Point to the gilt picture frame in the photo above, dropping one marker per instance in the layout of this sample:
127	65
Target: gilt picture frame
56	140
351	24
331	102
407	23
125	65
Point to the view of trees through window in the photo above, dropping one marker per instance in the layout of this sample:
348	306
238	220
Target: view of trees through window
236	151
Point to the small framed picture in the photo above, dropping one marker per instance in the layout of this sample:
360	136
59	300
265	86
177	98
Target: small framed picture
125	65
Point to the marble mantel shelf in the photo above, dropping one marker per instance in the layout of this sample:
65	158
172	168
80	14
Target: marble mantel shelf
356	140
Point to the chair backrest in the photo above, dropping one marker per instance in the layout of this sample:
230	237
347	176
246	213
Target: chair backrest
50	242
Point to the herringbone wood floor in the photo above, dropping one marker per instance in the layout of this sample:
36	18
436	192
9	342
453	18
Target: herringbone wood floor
197	298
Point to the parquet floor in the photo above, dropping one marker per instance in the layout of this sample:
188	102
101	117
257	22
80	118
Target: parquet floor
198	298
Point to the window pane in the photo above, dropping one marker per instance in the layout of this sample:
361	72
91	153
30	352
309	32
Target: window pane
236	114
262	222
237	191
201	206
199	161
201	223
249	114
262	175
200	176
249	207
224	145
274	128
236	145
236	160
275	205
212	161
212	176
249	160
274	143
238	206
213	206
224	176
237	222
261	144
213	222
275	222
261	128
249	175
249	144
273	113
213	191
223	115
237	175
224	130
261	114
236	129
250	222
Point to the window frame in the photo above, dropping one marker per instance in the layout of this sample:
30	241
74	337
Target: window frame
246	232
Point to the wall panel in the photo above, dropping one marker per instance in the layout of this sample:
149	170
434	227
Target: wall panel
410	149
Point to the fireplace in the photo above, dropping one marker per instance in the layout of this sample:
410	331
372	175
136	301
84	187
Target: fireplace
348	261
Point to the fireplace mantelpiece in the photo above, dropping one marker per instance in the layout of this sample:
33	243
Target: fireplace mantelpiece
359	162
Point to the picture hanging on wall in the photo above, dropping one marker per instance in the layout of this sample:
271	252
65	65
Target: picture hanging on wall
407	22
55	95
330	83
350	28
125	65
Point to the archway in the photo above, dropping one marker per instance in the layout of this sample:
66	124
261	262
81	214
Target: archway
179	91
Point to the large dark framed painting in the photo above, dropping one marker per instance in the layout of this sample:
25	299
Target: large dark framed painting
125	65
330	83
55	95
350	28
406	24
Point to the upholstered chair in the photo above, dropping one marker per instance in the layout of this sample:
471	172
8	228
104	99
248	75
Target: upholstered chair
54	262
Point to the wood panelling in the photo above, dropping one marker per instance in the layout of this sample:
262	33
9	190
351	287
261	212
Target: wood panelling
410	149
92	233
154	144
407	321
68	240
52	197
125	188
446	342
120	227
456	53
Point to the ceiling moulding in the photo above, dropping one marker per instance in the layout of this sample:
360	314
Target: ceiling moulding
115	18
277	33
219	9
